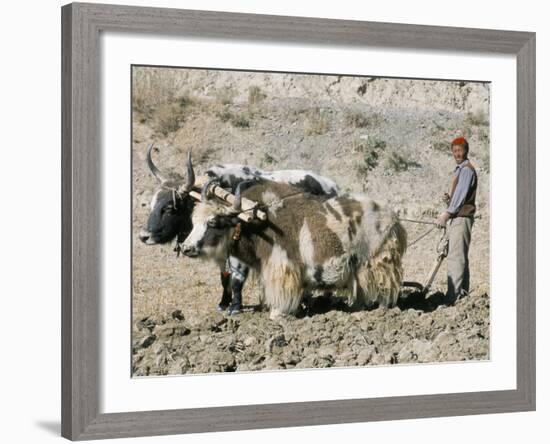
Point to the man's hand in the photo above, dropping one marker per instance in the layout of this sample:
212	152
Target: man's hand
442	219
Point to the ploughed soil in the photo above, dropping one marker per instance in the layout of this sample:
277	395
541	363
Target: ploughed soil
388	138
327	336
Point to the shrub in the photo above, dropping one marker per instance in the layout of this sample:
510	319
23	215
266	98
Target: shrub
316	123
237	120
185	100
483	135
168	118
370	161
240	121
444	147
376	143
478	118
224	115
269	159
438	127
255	95
358	119
153	87
398	163
225	96
371	150
486	162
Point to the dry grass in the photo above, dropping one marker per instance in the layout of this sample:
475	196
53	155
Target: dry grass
168	118
370	162
224	115
486	162
268	159
316	122
371	150
437	127
255	95
398	163
225	96
483	135
238	120
358	119
160	96
478	118
152	87
196	135
442	147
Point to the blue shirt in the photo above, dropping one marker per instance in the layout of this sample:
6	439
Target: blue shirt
466	178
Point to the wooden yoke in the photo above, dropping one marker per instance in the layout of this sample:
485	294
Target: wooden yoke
229	197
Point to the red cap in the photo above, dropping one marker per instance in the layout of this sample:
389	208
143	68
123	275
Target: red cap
459	141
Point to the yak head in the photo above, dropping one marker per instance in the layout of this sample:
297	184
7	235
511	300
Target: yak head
214	226
171	205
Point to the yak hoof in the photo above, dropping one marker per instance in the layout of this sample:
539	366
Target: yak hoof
276	314
233	310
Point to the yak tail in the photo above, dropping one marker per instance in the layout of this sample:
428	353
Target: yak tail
380	278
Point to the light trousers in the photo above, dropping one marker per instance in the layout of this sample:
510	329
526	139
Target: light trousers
459	230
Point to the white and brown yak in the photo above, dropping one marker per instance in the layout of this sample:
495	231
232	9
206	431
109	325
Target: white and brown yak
348	244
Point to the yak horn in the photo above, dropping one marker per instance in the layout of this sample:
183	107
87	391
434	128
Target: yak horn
190	173
156	172
237	203
204	192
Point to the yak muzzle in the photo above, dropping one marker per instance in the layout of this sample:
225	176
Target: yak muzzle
146	237
190	250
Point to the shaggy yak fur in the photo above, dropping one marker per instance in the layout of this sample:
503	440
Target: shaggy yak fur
345	243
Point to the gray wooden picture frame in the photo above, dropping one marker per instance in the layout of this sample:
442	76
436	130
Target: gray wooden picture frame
81	175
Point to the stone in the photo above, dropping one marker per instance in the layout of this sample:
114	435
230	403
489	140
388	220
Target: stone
366	355
310	361
277	340
148	341
444	340
249	341
327	352
274	363
178	315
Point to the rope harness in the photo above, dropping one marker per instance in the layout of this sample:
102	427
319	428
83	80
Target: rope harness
423	222
237	233
421	237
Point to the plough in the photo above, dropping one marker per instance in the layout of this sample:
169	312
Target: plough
442	250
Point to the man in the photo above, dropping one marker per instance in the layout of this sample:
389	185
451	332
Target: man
460	217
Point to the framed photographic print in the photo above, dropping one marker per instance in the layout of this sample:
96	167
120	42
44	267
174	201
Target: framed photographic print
278	221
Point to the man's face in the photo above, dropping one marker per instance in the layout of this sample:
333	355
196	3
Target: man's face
459	153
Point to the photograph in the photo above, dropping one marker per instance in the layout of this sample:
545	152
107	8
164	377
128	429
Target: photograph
294	221
274	221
